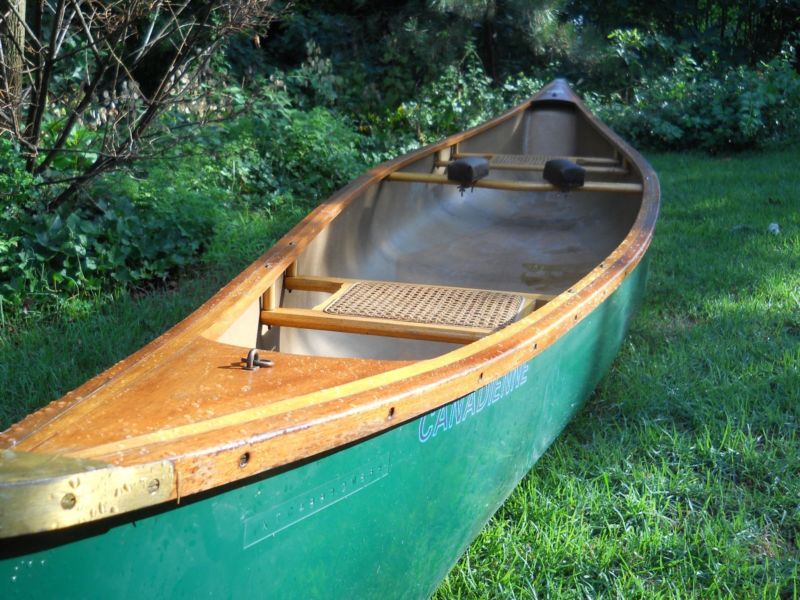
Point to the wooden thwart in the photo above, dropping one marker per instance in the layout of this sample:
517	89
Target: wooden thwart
314	319
538	165
519	186
538	159
314	283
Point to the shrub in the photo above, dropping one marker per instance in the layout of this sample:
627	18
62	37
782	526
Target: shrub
142	226
696	106
312	153
301	155
462	97
132	233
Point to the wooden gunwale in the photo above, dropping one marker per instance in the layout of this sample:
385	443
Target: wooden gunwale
206	453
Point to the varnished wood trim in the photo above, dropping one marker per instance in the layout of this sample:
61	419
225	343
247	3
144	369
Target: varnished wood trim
581	160
540	167
269	300
313	283
519	186
315	319
316	284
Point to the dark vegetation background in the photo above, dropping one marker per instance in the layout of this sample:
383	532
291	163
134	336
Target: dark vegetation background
132	133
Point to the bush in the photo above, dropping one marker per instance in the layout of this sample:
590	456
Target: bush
17	187
695	106
462	97
310	154
141	233
143	226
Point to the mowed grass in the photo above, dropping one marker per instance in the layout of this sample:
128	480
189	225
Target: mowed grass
680	478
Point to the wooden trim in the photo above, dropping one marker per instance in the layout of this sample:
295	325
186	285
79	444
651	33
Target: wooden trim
316	284
540	167
315	319
581	160
313	283
269	301
519	186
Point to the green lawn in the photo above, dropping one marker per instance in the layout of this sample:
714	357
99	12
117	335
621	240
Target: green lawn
680	478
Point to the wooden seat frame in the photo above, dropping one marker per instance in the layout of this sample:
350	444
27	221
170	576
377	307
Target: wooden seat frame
316	318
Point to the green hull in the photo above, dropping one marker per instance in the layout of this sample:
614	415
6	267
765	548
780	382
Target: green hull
386	517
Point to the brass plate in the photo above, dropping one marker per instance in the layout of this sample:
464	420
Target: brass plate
42	493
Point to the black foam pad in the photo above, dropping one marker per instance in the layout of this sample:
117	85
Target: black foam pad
468	170
564	173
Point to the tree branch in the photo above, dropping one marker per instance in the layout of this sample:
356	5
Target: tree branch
39	100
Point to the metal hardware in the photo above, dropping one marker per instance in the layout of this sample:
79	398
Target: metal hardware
252	362
466	171
40	492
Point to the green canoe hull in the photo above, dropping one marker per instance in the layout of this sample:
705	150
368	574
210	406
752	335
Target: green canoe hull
386	517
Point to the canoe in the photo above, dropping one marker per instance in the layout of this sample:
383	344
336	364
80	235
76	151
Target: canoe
343	417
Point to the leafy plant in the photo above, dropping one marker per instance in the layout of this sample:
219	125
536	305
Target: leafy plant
709	106
132	233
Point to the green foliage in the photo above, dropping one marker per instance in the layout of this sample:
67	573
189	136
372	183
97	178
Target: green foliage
459	99
310	154
710	107
137	234
365	58
17	186
462	97
144	226
279	154
736	32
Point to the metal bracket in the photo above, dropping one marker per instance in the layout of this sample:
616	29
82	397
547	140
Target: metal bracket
40	492
252	362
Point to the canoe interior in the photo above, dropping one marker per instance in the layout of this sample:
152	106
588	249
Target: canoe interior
535	242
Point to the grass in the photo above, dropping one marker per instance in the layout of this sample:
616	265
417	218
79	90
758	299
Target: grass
680	478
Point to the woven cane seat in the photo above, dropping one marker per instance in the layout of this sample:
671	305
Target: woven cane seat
427	304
